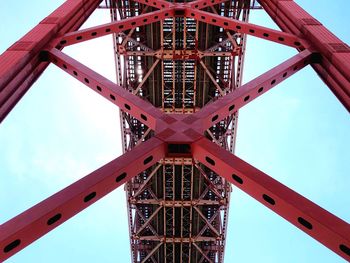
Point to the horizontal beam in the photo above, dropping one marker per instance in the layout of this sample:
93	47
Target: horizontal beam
32	224
233	101
115	27
178	203
177	239
160	4
137	107
323	226
205	3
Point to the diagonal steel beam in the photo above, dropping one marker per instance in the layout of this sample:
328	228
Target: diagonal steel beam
148	221
207	223
149	72
138	108
115	27
150	176
245	28
233	101
32	224
202	252
323	226
152	252
334	68
221	91
21	64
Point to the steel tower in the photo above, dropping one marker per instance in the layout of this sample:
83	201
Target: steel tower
179	96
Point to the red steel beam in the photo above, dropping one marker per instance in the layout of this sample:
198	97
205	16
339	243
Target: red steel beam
137	107
115	27
224	106
323	226
35	222
21	64
334	68
246	28
160	4
205	3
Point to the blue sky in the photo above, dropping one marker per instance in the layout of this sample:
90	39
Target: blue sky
60	131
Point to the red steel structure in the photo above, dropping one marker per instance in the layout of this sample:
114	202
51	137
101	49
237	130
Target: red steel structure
179	99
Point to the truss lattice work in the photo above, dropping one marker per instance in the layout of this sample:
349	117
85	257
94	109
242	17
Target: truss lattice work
179	71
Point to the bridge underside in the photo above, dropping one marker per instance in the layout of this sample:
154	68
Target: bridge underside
178	209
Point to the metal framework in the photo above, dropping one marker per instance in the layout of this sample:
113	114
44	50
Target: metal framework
179	88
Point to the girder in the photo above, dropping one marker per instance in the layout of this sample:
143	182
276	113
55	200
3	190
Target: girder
179	86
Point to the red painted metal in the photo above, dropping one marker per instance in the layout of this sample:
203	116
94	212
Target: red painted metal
115	27
218	110
25	228
22	64
139	108
246	28
334	68
312	219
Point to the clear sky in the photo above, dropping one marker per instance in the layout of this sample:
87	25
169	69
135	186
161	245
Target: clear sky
60	131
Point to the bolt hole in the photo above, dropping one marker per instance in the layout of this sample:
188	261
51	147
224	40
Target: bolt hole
148	160
246	98
238	27
273	82
64	66
225	24
12	245
295	68
251	30
133	23
297	43
120	177
121	26
260	89
155	17
305	223
54	219
99	88
79	38
215	118
145	20
62	42
143	117
75	73
269	199
210	161
112	97
281	38
231	107
127	107
213	20
166	14
345	249
285	74
203	17
94	33
237	178
89	197
266	35
86	80
108	30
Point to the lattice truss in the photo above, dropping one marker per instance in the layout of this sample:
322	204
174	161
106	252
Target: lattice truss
179	73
